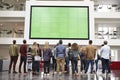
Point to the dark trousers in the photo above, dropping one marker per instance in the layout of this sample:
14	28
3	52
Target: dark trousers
46	67
35	65
96	64
105	65
54	64
74	64
22	60
13	60
88	62
83	63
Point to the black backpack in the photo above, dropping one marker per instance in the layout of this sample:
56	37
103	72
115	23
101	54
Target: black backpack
70	55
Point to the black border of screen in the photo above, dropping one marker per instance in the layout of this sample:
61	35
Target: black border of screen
58	38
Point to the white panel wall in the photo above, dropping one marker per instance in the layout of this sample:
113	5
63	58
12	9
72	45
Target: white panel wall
107	15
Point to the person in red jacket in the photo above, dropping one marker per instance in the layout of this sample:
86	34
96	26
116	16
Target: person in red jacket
23	56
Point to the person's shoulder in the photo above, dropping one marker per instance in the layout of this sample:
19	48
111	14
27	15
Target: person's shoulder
64	46
16	45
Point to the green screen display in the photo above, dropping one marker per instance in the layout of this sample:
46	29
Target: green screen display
59	22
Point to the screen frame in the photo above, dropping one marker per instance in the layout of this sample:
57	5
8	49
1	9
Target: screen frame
59	38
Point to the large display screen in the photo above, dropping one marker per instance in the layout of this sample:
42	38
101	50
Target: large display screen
59	22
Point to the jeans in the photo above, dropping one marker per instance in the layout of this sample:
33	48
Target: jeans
83	63
88	62
67	64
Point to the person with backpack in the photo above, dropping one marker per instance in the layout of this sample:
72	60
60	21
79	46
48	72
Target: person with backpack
60	56
47	54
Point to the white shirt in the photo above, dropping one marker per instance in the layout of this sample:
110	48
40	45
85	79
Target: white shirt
67	49
105	52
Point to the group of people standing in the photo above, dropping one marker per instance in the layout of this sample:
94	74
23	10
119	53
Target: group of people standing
61	57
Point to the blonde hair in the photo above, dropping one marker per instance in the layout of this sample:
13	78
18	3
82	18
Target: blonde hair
46	46
83	49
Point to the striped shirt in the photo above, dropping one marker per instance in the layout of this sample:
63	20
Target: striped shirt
29	57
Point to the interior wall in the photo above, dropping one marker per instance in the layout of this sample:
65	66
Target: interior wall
4	53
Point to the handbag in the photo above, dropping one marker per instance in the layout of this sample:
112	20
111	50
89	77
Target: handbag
37	58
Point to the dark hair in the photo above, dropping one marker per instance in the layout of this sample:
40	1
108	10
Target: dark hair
90	41
29	49
24	41
102	45
105	42
38	45
60	41
14	41
69	44
74	46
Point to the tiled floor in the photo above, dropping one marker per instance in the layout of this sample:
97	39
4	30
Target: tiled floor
115	75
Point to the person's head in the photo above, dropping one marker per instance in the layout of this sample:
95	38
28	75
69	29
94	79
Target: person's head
46	45
60	41
74	47
105	42
34	43
90	41
29	49
83	49
24	41
14	41
69	44
38	45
